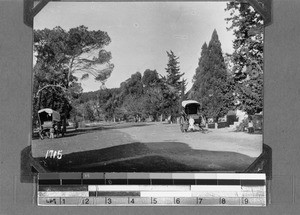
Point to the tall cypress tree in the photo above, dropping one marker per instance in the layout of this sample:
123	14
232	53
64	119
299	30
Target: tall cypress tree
211	86
200	71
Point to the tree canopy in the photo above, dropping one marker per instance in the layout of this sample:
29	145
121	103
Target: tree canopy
60	55
211	85
173	71
172	86
77	50
247	58
140	97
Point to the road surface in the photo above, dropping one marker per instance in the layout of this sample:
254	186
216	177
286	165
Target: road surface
151	147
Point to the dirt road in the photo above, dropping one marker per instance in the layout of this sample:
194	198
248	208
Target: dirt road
116	135
213	140
153	147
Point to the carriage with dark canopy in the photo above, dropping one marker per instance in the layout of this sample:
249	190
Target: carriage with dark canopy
191	117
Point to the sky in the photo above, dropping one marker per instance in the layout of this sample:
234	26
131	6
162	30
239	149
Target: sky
142	32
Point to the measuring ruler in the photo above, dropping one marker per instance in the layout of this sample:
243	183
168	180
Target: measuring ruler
168	189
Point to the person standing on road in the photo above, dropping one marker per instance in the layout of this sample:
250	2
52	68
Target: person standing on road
250	126
51	133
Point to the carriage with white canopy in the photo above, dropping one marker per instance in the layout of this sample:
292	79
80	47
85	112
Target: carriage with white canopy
191	113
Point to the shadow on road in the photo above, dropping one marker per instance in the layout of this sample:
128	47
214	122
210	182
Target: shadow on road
143	157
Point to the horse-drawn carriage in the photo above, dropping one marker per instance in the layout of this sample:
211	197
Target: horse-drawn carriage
191	117
50	123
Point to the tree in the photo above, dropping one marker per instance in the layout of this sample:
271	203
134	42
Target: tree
173	86
211	83
150	78
130	97
200	71
134	107
89	113
153	96
173	72
49	91
247	26
183	89
153	102
133	85
74	51
60	54
112	104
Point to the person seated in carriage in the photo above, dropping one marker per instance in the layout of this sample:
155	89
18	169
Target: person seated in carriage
191	124
191	118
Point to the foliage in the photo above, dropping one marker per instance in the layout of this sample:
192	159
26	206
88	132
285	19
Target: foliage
134	107
195	92
212	86
133	85
173	72
49	91
59	56
150	78
137	98
172	87
74	51
89	113
247	26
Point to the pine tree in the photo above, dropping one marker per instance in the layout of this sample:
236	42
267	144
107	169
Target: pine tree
173	86
173	71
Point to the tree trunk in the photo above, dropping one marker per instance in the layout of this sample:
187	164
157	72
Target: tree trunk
64	122
64	130
53	97
39	102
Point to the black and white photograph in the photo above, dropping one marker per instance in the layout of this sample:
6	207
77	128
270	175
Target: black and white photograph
148	87
149	107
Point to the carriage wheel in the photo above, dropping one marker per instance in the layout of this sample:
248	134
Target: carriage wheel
48	134
181	128
41	135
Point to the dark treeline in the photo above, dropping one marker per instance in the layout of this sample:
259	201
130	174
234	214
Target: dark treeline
213	86
147	96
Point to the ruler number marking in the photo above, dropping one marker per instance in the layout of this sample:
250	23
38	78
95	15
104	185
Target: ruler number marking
222	201
51	201
85	201
109	201
199	200
154	201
